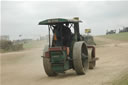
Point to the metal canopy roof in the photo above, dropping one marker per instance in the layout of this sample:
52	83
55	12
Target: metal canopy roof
58	20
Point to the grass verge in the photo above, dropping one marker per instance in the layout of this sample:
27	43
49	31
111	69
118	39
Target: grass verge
121	81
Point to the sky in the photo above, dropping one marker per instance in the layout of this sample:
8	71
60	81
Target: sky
22	17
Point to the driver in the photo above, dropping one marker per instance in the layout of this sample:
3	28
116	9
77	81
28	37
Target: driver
66	34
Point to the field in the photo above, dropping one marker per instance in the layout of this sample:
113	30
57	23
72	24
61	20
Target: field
119	36
25	67
32	44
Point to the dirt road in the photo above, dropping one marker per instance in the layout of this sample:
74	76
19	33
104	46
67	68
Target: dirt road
25	68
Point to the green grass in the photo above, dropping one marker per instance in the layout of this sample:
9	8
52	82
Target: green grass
121	81
98	42
32	44
119	36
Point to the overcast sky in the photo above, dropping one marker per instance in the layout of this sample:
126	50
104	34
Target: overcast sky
21	18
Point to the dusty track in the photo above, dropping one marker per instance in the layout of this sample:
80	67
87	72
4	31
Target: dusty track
25	68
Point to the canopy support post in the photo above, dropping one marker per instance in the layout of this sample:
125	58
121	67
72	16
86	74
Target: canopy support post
49	35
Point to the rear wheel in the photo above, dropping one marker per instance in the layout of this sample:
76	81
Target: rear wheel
47	67
92	63
80	57
47	64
